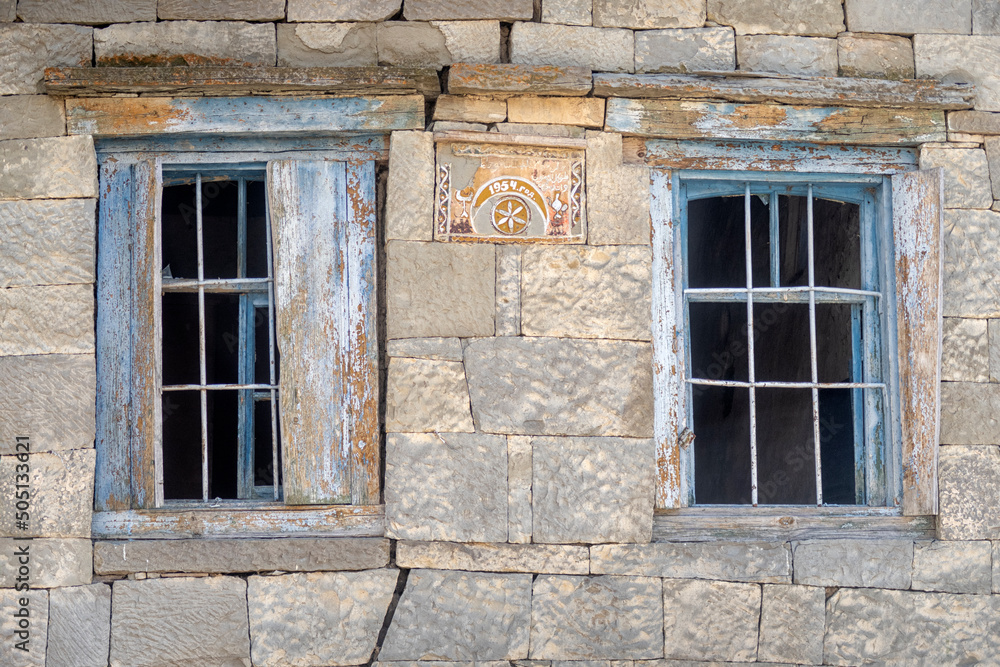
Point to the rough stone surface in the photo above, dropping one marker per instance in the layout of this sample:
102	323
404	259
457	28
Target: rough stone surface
971	241
992	145
56	168
824	18
463	10
461	616
186	43
966	175
962	59
965	355
48	398
92	12
508	292
974	123
599	49
440	289
425	396
319	618
438	43
47	320
448	486
79	626
953	567
807	56
710	620
38	610
969	413
985	17
906	18
746	562
791	624
26	49
62	497
31	116
342	10
875	56
969	493
591	490
47	242
541	130
327	45
53	562
996	567
184	620
441	349
585	111
555	386
8	11
568	12
470	109
220	10
586	292
647	14
528	558
303	554
845	562
698	49
994	342
456	126
617	194
519	490
409	210
596	618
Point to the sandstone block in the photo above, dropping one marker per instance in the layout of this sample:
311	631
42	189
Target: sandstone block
470	109
47	242
512	79
527	558
461	616
971	240
31	116
974	123
953	567
319	618
599	49
425	396
568	12
967	59
79	626
862	563
807	56
409	211
455	126
440	289
26	49
47	320
969	493
327	45
791	624
993	329
438	43
985	17
56	168
710	620
966	175
647	14
349	10
585	111
823	18
440	349
220	10
617	196
558	386
746	562
969	413
180	620
88	12
965	354
992	145
447	486
53	562
185	43
596	618
697	49
875	56
38	610
996	567
508	292
62	497
519	490
906	18
541	130
8	11
463	10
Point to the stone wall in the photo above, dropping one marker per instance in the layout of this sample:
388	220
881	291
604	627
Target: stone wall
519	461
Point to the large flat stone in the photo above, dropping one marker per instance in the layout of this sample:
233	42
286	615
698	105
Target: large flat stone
592	490
303	554
460	616
52	562
327	45
728	561
343	10
859	563
568	12
409	209
38	617
965	351
319	618
55	168
971	241
47	320
88	12
969	493
806	56
966	59
966	175
867	56
617	195
824	18
221	10
519	514
449	486
26	49
185	43
648	14
438	43
440	349
953	567
464	10
62	497
906	18
176	621
510	78
31	116
79	626
596	618
426	396
970	413
529	558
440	289
674	50
791	624
557	386
710	620
47	242
599	49
985	17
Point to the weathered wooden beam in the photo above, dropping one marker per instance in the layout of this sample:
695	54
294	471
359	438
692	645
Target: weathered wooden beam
108	117
677	119
465	79
838	91
242	80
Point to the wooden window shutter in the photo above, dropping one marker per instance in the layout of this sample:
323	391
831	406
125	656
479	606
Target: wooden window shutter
323	230
917	212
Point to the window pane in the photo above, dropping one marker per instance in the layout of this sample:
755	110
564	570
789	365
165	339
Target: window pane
760	240
262	346
223	424
256	230
219	200
786	468
222	338
263	457
716	242
722	445
179	246
181	445
837	238
180	339
719	341
836	440
834	342
781	342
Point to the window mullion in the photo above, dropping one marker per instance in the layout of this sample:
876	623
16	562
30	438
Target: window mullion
775	232
751	373
202	373
813	358
272	375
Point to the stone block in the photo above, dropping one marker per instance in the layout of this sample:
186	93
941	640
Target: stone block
860	563
527	558
965	351
791	624
985	17
902	17
586	292
446	486
182	620
220	10
673	50
31	116
48	398
823	18
993	330
470	109
966	175
596	618
302	554
974	123
584	111
649	14
47	320
710	620
87	12
318	618
463	10
8	11
425	396
962	59
62	494
455	126
992	145
968	493
438	43
953	567
47	241
186	43
440	289
79	626
55	168
508	293
541	130
599	49
460	616
513	79
728	561
996	567
327	45
519	515
342	10
51	562
875	56
970	413
38	621
806	56
617	195
26	49
971	241
592	490
409	210
568	12
554	386
440	349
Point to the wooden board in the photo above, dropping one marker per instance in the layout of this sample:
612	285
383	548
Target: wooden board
672	119
187	149
510	79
